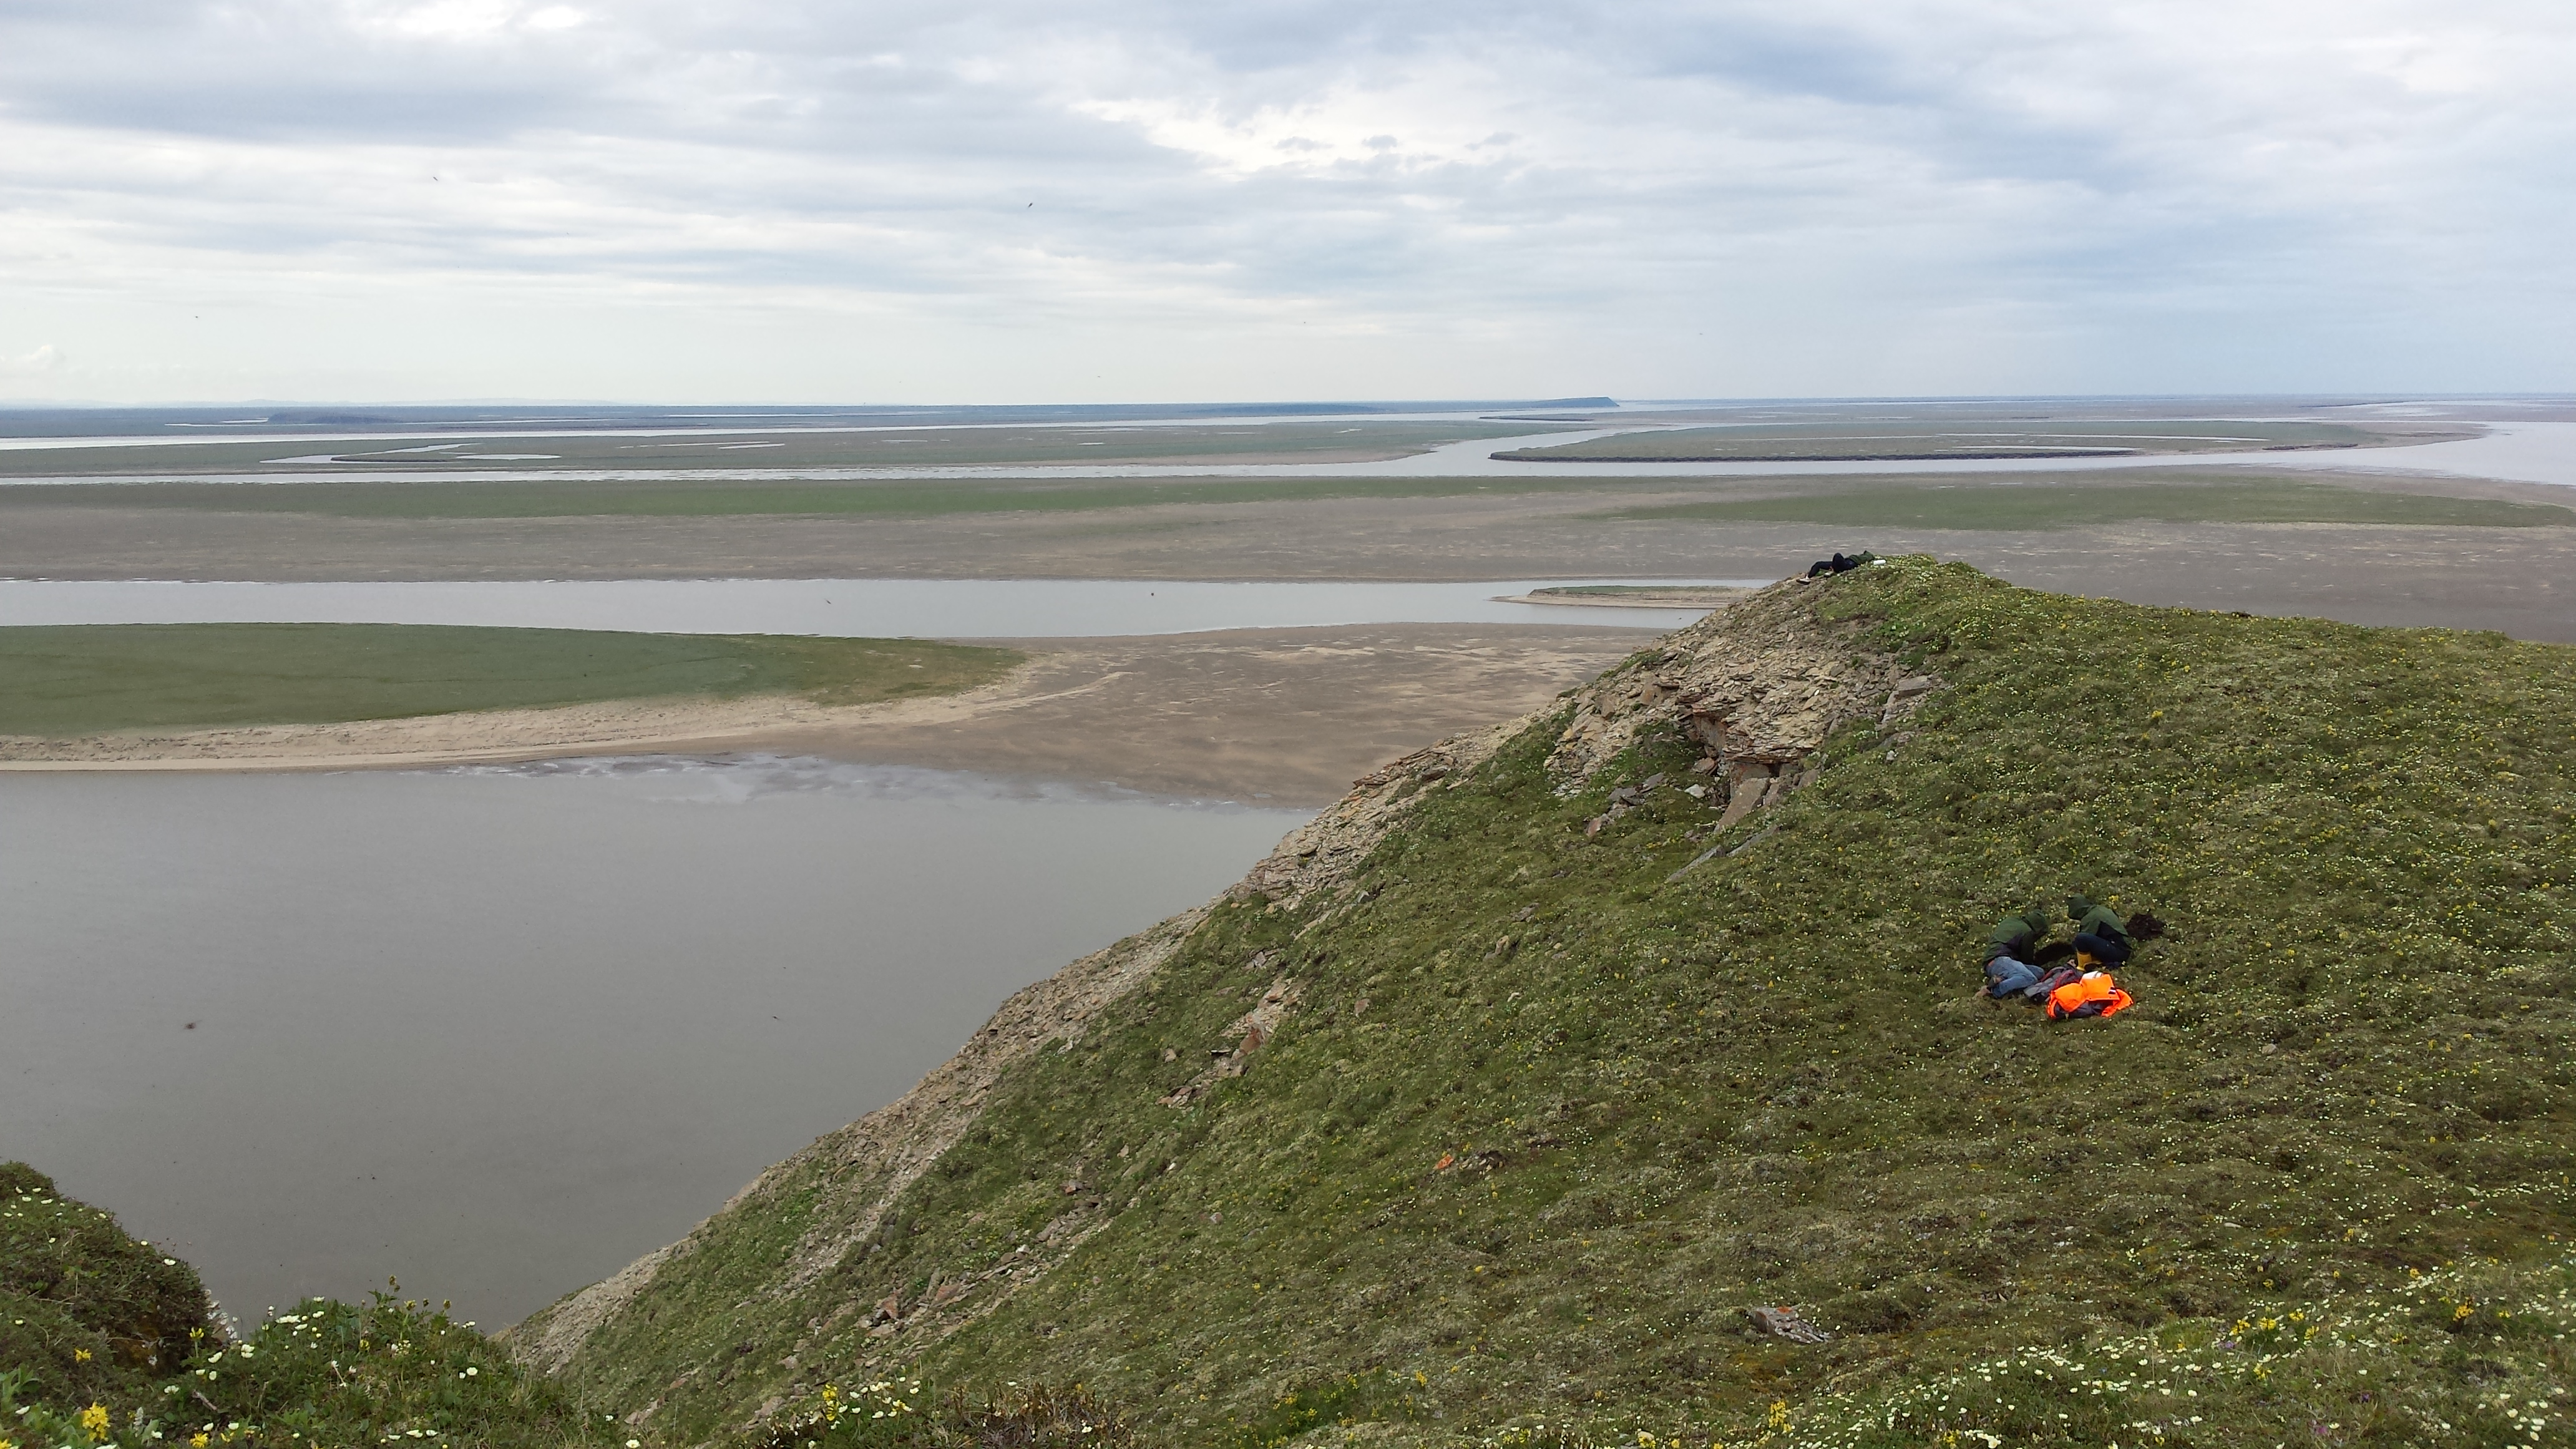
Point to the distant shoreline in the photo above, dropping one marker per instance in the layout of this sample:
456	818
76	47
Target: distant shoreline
1638	597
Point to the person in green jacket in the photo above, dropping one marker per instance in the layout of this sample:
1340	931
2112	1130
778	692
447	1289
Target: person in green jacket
2099	931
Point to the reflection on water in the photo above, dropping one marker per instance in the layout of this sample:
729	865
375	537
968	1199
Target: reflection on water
855	608
500	1030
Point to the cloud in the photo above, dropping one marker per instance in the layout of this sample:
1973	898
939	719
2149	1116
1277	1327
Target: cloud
43	359
1656	198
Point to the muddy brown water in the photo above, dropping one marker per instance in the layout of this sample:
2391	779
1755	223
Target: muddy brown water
497	1032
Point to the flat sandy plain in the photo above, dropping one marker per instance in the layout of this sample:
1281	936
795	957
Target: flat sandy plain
1274	716
1293	715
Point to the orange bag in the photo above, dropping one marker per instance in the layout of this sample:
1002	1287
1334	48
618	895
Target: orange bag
2092	994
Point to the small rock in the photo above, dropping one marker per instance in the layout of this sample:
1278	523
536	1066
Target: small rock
1652	781
1784	1322
1696	792
1171	1055
1704	764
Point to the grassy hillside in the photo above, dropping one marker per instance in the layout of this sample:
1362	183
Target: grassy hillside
1544	1121
92	678
104	1340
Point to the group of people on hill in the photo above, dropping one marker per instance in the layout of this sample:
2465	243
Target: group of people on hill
1841	564
2072	978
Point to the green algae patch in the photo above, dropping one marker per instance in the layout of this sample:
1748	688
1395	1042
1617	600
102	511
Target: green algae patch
1551	1114
87	679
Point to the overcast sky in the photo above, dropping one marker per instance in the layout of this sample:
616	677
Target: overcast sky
1098	200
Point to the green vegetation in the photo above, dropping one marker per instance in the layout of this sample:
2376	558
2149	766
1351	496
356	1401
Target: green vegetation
2043	503
107	1340
1546	1121
1817	442
86	679
86	1312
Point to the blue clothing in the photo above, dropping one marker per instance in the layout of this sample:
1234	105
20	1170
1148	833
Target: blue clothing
2107	948
2006	976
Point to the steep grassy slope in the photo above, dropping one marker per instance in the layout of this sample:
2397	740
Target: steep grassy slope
105	1340
1537	1118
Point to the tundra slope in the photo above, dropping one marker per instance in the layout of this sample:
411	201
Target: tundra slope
1480	1105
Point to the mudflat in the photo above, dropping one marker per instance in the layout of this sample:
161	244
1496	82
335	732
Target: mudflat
1278	716
2514	575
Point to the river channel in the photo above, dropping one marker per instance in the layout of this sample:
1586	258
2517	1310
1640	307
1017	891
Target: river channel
853	608
497	1032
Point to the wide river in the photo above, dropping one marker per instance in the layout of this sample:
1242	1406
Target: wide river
498	1031
862	608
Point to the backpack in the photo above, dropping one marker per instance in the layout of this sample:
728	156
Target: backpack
2092	994
2050	980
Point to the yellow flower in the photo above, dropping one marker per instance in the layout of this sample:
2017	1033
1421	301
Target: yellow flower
198	1440
81	1355
94	1419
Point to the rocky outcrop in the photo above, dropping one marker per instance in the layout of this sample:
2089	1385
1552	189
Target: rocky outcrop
1757	687
1323	853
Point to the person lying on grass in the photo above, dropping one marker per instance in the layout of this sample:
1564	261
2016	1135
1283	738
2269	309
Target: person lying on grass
2102	941
2011	948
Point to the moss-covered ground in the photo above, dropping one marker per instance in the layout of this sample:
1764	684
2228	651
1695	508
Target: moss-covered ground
89	679
1547	1121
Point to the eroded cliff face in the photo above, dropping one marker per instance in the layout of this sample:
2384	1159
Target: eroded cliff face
1758	686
